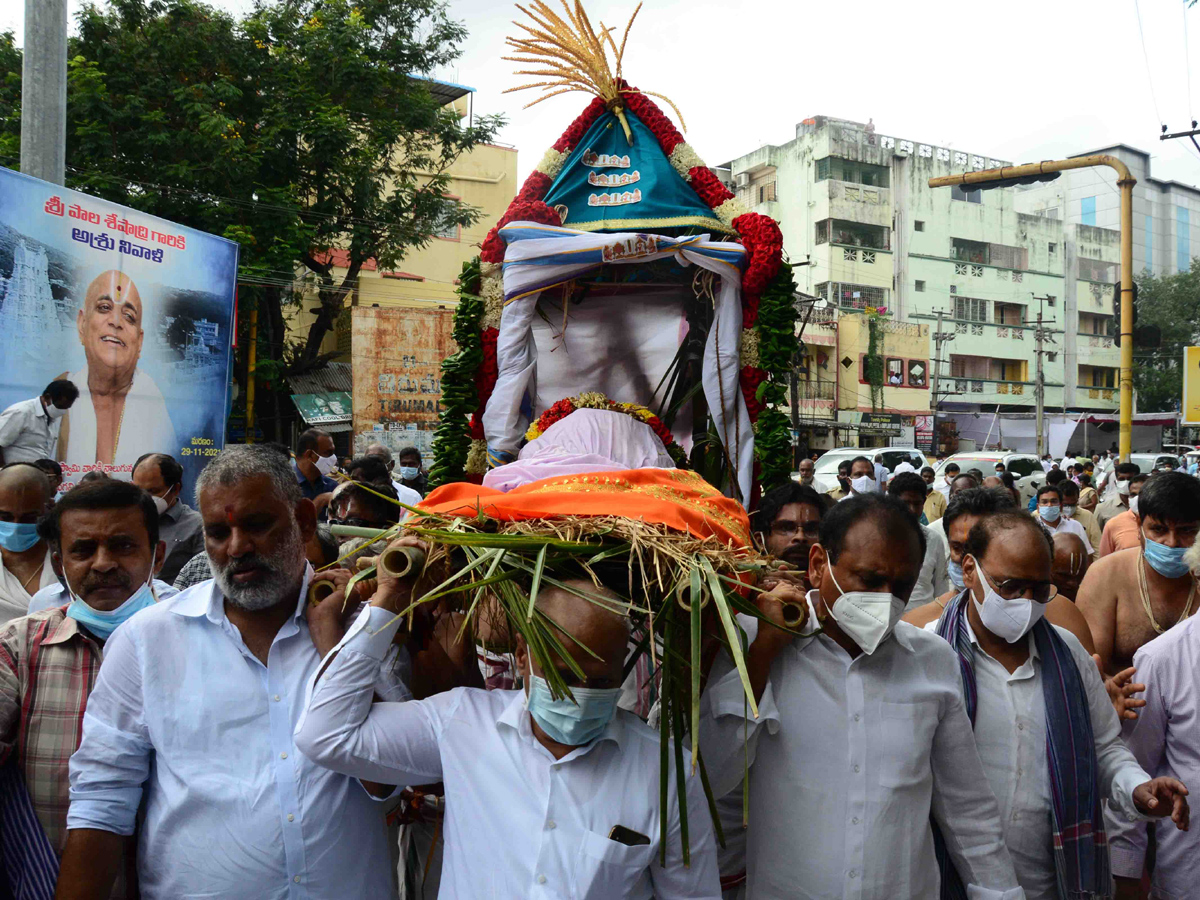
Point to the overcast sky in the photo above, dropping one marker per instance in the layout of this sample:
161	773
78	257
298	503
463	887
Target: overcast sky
1019	81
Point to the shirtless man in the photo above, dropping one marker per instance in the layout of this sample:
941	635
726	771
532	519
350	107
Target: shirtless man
967	507
1132	596
1071	562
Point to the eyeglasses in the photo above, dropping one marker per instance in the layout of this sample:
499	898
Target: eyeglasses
355	521
789	529
1014	588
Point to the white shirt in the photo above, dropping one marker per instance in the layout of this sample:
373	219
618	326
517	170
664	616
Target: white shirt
1068	526
905	466
943	487
145	427
881	474
934	579
1047	465
518	822
187	723
406	495
847	759
1010	732
1165	738
14	598
27	434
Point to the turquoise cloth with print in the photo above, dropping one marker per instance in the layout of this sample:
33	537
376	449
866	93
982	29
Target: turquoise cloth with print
608	185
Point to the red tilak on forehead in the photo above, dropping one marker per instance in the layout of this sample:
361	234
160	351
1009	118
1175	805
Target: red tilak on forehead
229	514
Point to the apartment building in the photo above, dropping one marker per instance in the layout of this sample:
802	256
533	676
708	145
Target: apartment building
855	205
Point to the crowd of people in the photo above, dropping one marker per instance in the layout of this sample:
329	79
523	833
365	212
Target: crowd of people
984	698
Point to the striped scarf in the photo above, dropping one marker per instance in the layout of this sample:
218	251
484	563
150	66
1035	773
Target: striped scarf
1080	844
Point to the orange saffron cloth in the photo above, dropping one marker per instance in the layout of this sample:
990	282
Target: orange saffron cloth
676	498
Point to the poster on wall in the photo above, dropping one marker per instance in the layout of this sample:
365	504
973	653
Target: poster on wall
1191	386
397	358
136	311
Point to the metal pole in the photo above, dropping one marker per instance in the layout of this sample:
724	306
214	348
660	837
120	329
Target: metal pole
1125	446
44	91
1039	390
937	366
251	364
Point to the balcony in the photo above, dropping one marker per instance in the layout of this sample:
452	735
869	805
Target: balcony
817	390
995	392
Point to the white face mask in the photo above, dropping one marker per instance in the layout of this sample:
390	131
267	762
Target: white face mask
1068	511
55	412
160	504
1009	620
864	484
1133	504
1123	488
326	464
866	617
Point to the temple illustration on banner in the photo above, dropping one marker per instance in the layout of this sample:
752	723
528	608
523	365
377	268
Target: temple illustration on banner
31	319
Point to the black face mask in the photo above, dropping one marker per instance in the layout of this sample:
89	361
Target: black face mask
844	481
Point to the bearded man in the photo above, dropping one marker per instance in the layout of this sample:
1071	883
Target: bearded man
192	718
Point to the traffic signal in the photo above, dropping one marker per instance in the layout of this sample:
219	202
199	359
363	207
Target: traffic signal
1009	182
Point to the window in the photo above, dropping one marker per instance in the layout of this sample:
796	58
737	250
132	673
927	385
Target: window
1021	466
895	372
852	296
918	225
970	251
854	234
823	231
920	285
1051	213
1098	270
1182	239
1009	313
766	192
970	309
957	193
917	369
837	169
1053	247
1087	211
447	226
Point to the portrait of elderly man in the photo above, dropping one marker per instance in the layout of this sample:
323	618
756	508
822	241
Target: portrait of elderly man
120	413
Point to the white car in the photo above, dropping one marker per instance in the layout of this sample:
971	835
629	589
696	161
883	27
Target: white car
1020	464
825	472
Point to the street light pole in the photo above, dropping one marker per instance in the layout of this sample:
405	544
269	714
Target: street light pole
1046	171
44	91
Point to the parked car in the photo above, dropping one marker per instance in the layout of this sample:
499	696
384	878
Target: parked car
1180	449
825	472
1148	462
1020	464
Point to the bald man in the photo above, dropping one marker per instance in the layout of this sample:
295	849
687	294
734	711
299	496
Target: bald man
561	797
1071	561
120	414
25	567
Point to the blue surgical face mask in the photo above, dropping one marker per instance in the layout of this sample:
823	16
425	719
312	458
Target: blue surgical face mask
573	724
956	576
1049	513
1166	561
17	537
409	473
103	624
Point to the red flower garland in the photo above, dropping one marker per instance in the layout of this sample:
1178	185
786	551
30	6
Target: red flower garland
764	246
577	129
708	186
566	406
518	211
751	378
535	187
485	379
652	117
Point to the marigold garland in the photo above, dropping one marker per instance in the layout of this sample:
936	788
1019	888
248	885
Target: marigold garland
596	400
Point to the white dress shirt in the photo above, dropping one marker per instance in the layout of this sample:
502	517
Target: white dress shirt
519	824
15	597
406	495
1165	738
1068	526
186	717
904	466
1010	732
934	579
145	427
847	760
27	434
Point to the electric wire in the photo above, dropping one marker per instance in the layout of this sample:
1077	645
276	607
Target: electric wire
1146	57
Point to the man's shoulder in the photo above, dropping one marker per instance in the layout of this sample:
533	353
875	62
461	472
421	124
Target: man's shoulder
170	613
1114	564
17	635
19	406
1169	643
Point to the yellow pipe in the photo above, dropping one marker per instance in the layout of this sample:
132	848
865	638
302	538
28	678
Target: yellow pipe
1125	181
251	364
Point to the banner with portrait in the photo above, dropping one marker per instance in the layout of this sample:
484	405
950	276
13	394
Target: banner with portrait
136	311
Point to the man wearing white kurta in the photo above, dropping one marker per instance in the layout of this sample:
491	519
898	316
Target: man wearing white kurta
861	733
1035	695
544	798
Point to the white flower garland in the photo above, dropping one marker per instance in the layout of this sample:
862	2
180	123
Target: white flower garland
552	162
477	458
491	289
749	348
730	210
684	159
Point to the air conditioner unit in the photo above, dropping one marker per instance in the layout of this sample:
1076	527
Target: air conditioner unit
742	179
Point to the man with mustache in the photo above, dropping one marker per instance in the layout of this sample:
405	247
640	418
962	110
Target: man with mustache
120	413
193	715
787	522
105	539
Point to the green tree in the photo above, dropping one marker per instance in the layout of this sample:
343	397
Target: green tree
303	127
1172	302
